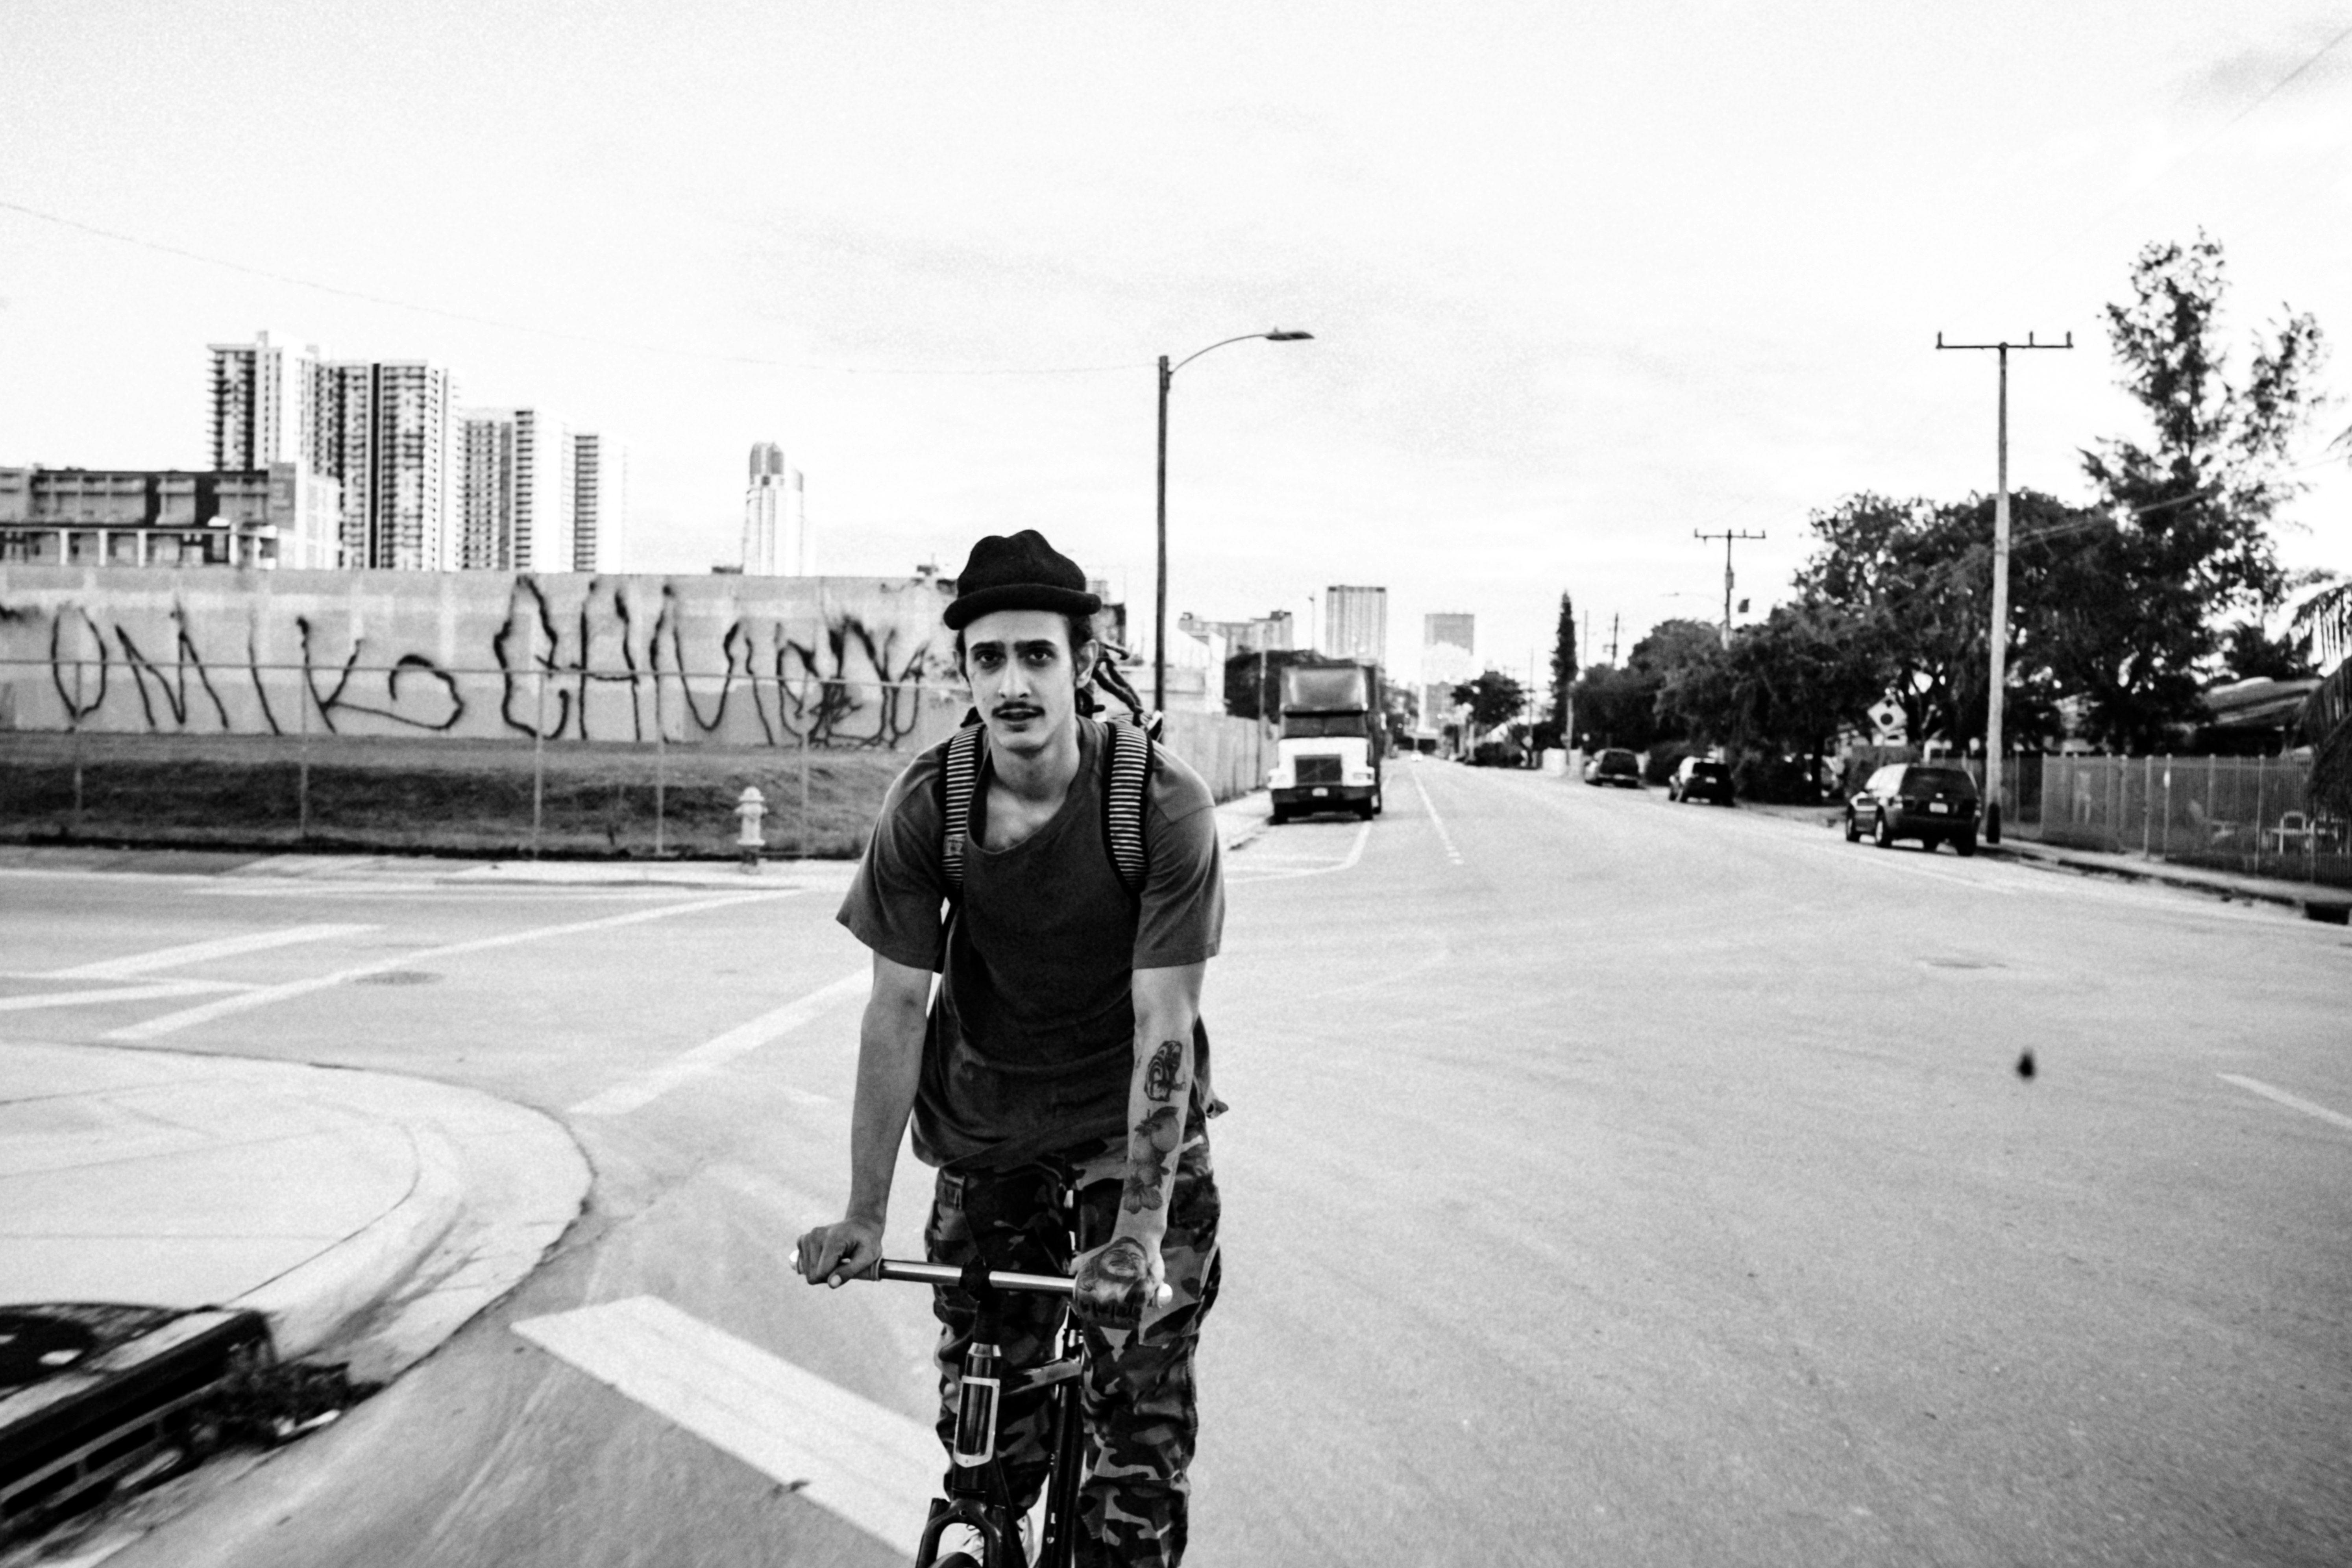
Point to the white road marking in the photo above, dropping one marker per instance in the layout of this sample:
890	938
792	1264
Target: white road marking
1355	853
155	992
172	1022
2256	1086
869	1465
707	1058
199	951
1437	822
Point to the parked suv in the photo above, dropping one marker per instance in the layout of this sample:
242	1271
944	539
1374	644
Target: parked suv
1614	766
1696	778
1907	800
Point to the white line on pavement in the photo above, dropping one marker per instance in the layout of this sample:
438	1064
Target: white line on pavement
198	952
155	992
869	1465
709	1056
170	1022
2256	1086
1437	822
1355	853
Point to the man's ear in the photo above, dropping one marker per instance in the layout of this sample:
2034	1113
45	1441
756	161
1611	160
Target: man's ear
1089	654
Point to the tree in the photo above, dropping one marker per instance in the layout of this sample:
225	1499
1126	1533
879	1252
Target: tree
2193	507
1563	668
1493	698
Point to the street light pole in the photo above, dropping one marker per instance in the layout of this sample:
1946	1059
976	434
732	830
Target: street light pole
1159	588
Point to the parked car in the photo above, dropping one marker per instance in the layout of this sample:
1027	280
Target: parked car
1696	778
1907	800
1614	766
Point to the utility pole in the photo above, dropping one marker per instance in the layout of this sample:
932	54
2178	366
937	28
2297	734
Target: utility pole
1613	639
1998	639
1727	536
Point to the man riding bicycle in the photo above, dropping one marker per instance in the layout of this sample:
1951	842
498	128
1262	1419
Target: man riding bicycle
1064	880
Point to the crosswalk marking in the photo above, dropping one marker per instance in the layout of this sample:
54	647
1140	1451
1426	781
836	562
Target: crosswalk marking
867	1464
707	1058
204	1014
201	952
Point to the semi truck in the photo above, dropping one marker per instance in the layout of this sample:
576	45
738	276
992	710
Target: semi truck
1328	756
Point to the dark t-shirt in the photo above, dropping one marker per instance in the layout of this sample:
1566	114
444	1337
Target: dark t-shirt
1031	1042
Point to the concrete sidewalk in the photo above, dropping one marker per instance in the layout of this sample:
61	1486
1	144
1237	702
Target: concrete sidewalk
2315	901
1238	821
363	1216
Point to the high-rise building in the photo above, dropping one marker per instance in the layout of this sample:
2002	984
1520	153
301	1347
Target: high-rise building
516	491
1356	623
599	503
1448	647
775	518
387	430
257	402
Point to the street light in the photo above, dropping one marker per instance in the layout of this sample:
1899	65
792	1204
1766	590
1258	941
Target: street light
1159	598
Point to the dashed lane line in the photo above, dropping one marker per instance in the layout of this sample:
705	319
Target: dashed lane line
634	1093
1421	788
170	1023
864	1462
2295	1101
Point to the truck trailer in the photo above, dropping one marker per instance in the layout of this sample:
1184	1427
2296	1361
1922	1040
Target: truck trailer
1328	757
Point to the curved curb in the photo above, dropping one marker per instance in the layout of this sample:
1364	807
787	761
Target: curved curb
309	1303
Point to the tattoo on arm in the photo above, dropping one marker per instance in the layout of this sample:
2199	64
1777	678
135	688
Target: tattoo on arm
1148	1144
1165	1076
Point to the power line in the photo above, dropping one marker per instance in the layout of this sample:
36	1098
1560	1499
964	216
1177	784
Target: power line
558	334
2147	182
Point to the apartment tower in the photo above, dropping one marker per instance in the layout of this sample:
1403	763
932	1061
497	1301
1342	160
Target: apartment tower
775	520
1356	623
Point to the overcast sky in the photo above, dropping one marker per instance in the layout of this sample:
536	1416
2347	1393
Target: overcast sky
1582	278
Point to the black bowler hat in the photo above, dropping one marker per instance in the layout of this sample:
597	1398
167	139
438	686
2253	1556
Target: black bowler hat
1021	573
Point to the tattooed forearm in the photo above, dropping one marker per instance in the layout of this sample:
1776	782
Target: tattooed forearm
1165	1075
1148	1144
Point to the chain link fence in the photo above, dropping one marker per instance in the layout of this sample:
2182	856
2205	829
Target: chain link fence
2249	815
353	758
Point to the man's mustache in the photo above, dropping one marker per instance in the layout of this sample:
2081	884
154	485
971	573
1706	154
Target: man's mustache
1017	710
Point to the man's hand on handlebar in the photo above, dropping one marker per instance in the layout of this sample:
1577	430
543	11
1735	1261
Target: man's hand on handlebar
833	1253
1113	1283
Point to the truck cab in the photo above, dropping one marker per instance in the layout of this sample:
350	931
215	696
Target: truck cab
1328	754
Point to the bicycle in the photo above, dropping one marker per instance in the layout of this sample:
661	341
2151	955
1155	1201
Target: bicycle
978	1496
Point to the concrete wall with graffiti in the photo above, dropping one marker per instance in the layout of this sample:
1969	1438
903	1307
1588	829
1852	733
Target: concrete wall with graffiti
784	662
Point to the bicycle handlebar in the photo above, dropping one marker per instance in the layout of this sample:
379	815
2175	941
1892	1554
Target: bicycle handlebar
910	1272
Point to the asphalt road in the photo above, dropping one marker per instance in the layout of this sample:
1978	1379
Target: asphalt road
1606	1182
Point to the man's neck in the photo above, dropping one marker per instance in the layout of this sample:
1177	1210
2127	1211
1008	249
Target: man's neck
1042	776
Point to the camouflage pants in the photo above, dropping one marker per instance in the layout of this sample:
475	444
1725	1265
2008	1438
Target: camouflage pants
1138	1395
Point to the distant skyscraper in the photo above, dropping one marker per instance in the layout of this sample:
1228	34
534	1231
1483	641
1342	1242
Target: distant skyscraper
1448	647
775	519
1356	623
516	491
257	402
599	503
387	430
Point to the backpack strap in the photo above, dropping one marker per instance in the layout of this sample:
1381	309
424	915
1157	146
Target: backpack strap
1127	785
959	778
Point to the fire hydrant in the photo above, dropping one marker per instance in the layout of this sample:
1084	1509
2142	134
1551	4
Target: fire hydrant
749	807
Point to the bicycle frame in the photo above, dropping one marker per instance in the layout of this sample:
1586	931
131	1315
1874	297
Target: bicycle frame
977	1494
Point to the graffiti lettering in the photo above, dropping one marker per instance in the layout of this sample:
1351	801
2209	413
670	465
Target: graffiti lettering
829	663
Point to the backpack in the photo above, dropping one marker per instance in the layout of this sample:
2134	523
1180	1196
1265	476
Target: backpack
1125	782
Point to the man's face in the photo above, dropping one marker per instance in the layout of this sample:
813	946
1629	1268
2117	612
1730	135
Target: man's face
1024	678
